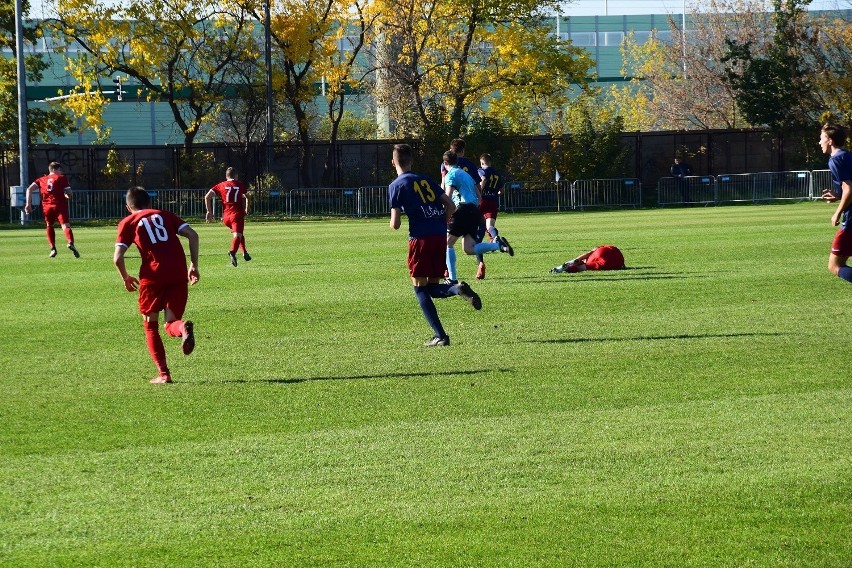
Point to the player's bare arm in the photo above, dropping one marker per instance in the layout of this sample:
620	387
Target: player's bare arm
449	206
208	202
192	237
29	205
246	198
131	283
395	219
844	203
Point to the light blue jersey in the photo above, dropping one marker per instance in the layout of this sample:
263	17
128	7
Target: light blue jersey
463	183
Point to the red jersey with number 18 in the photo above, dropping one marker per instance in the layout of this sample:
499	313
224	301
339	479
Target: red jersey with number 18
155	234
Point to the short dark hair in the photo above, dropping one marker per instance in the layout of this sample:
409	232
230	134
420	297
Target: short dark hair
232	173
404	155
451	158
54	166
486	158
835	133
457	145
138	198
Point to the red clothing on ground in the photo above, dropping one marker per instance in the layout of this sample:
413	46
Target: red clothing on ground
605	257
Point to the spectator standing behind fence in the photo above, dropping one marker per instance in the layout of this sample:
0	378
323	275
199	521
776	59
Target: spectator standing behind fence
235	206
832	140
55	192
680	170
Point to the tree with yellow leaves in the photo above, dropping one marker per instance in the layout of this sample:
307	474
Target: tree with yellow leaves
178	51
444	62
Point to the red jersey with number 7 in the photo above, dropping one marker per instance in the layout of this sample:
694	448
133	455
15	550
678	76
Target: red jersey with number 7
155	234
231	193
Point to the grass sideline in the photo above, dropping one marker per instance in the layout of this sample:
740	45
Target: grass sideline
693	410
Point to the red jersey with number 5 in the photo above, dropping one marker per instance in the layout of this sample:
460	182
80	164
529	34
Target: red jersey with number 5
52	188
155	234
231	193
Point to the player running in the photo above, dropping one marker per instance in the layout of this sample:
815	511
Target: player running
427	209
235	201
467	219
55	193
489	188
163	275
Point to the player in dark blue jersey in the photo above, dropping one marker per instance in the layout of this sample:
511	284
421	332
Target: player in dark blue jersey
491	181
457	146
428	210
832	139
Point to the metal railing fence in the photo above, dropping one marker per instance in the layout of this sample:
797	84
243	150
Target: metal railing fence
741	188
515	196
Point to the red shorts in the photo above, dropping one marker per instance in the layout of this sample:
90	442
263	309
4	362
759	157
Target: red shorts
155	296
427	256
842	243
235	221
605	257
488	208
54	213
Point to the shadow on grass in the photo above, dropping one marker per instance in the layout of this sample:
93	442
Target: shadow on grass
654	337
296	380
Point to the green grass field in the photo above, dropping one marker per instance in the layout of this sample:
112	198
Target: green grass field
693	410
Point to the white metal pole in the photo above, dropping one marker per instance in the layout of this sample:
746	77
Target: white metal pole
23	135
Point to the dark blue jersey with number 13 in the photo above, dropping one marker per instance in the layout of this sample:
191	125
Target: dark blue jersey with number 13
420	198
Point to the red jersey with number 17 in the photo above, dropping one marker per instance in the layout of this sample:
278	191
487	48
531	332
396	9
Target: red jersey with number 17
155	234
231	193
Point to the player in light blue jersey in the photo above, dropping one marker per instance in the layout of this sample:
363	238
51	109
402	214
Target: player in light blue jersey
832	139
467	219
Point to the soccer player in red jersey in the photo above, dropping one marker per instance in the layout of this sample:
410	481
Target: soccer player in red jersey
55	192
163	275
604	257
234	196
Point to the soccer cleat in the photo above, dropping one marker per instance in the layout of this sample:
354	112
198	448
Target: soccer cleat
233	257
53	252
558	269
450	282
469	296
161	379
73	249
246	256
188	341
437	342
505	246
480	271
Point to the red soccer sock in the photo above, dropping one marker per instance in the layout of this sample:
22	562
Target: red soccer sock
174	328
69	235
51	237
155	346
235	243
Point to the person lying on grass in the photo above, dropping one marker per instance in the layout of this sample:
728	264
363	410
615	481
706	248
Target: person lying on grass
604	257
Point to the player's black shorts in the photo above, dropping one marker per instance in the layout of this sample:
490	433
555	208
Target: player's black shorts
465	221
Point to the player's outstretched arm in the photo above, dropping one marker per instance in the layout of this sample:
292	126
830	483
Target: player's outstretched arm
29	205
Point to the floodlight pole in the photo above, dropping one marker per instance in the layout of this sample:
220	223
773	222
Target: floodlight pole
23	134
268	58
